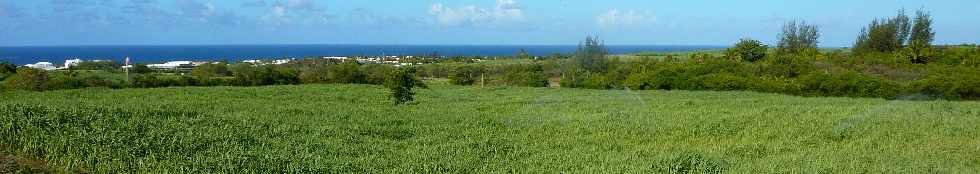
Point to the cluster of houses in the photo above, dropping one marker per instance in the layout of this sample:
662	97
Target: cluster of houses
51	66
189	65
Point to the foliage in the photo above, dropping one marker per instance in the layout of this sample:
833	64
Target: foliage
97	65
591	55
849	84
28	79
347	72
7	69
747	50
400	83
352	128
920	41
798	38
206	72
951	83
883	35
140	68
525	75
466	75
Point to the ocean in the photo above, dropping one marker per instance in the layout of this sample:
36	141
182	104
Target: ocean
154	54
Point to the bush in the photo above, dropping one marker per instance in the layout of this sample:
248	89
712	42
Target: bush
953	83
97	65
7	69
526	75
466	75
723	82
849	84
347	72
400	83
28	79
375	74
747	50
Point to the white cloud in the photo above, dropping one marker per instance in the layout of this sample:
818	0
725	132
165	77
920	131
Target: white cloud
506	11
615	17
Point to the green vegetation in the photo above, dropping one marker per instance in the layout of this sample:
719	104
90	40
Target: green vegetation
400	83
748	50
897	34
798	38
456	129
27	79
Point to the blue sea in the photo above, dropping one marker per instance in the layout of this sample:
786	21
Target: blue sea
153	54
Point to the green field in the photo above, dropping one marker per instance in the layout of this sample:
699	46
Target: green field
354	128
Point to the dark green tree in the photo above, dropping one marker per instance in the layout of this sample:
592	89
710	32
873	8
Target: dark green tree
7	69
798	37
591	55
466	75
884	35
207	71
141	69
28	79
347	72
400	83
921	37
748	50
245	74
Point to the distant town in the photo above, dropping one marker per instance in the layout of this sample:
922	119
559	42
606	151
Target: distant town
188	65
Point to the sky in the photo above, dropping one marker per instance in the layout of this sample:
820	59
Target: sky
452	22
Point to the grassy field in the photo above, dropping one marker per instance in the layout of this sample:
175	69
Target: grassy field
353	128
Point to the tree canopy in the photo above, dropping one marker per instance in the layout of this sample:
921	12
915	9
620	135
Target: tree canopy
591	55
798	37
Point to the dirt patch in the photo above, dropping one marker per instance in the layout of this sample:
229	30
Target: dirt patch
13	164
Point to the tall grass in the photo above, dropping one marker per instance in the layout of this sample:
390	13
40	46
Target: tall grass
453	129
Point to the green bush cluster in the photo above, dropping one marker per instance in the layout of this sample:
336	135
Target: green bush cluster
529	74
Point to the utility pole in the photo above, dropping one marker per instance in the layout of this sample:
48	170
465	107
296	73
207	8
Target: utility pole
126	67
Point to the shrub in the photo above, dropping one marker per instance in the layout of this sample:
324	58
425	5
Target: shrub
207	71
28	79
7	69
400	83
525	75
951	83
723	82
375	74
747	50
97	65
466	75
347	72
574	78
849	84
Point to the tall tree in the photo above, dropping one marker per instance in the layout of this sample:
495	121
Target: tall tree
921	36
798	37
884	35
591	55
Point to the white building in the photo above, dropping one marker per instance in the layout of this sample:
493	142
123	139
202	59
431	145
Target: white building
173	65
73	62
253	61
336	58
42	65
282	61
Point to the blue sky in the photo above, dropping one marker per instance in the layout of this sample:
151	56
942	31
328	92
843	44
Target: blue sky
478	22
